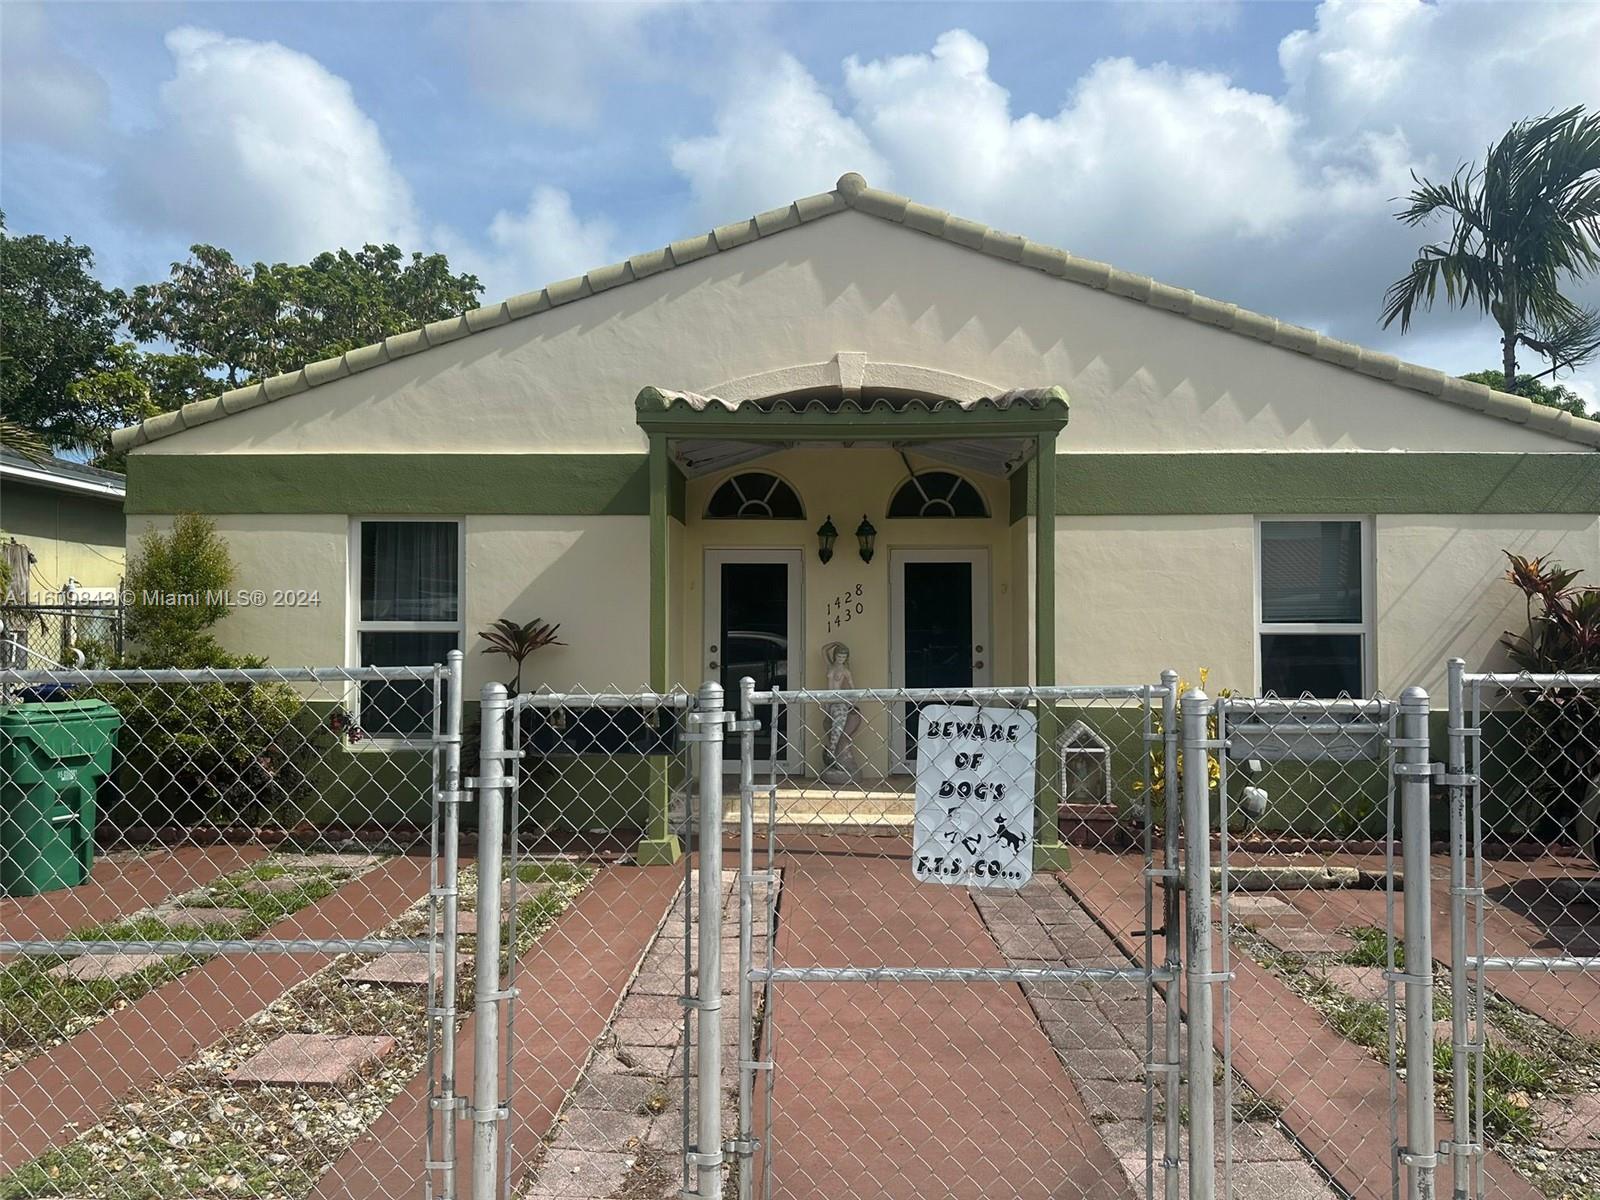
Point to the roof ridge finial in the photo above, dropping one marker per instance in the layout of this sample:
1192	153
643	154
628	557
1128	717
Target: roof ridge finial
851	184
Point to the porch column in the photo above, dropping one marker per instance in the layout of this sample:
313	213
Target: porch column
660	845
1048	852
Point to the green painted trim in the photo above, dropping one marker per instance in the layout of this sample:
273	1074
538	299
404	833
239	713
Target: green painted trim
1044	559
660	510
677	493
1051	856
546	484
1021	487
657	852
1086	484
1353	482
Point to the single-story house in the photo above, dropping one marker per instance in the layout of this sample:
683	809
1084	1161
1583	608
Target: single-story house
63	527
970	457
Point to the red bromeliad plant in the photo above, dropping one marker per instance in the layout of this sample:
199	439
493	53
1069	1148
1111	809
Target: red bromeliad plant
1564	633
517	642
1562	639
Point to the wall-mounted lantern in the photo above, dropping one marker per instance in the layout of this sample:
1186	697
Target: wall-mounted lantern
826	536
866	538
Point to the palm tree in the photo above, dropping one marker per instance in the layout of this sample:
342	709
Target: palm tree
1524	223
23	441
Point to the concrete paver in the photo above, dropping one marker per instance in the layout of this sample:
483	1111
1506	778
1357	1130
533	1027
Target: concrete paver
90	968
313	1060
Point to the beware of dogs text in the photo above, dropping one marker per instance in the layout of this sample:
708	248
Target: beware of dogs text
975	784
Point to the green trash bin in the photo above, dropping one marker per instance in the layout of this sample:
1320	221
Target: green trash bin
52	758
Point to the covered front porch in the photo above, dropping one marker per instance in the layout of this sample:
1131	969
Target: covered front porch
940	572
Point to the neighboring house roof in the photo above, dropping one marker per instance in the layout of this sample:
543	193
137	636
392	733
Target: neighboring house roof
853	194
63	476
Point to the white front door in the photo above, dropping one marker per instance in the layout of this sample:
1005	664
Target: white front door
754	626
939	632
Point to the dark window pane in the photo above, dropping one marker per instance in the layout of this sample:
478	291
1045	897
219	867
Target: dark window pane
755	638
1311	571
401	708
937	494
408	570
1324	665
938	632
755	495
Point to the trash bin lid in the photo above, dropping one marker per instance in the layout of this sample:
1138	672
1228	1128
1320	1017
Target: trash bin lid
57	712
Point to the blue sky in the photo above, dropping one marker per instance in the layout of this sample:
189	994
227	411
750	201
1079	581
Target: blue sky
1249	150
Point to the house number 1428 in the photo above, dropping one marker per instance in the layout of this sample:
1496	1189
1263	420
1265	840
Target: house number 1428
845	607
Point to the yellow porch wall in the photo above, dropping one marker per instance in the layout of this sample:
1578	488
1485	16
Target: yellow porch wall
843	484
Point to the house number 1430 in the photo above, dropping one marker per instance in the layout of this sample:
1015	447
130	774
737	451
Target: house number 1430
845	607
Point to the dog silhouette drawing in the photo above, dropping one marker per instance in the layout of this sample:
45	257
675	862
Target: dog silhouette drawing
1014	840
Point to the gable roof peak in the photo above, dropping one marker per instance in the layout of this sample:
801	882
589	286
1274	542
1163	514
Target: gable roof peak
854	193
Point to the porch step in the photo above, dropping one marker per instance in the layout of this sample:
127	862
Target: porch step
819	804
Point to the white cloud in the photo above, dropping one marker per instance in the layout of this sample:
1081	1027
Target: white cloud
262	149
550	62
46	95
1282	202
778	136
544	242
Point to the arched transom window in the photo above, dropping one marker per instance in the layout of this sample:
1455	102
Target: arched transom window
937	494
755	495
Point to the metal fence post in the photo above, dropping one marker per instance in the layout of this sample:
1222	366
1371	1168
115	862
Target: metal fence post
1171	918
707	1154
1197	865
450	856
1461	1141
1415	771
486	1109
744	1144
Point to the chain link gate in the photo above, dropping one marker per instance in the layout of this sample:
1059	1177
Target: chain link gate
898	1035
1522	1070
1320	933
221	968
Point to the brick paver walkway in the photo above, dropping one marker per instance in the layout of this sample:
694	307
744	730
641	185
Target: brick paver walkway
914	1089
119	887
571	981
53	1095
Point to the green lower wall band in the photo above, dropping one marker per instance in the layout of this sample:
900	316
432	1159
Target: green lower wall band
1086	484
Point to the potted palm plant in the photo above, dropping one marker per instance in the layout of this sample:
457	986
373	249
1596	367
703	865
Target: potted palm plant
518	642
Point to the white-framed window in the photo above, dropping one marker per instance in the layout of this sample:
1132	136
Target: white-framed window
406	602
1314	606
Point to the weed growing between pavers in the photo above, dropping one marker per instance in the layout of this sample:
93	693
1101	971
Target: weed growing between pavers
196	1135
1525	1058
39	1010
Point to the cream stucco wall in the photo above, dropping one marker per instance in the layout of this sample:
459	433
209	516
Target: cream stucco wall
1441	591
588	573
71	536
1140	379
296	552
1137	595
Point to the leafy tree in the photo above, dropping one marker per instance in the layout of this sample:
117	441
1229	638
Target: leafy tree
136	384
178	584
253	322
60	324
1523	223
1551	395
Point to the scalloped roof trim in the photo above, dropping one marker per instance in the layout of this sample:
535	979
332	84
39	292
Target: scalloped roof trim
853	194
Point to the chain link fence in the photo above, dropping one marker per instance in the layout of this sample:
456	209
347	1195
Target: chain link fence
1520	1065
61	635
218	939
339	933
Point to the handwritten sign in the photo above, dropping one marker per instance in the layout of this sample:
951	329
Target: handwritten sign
975	788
